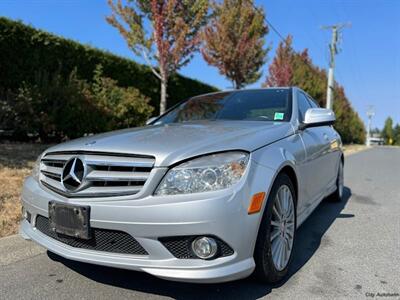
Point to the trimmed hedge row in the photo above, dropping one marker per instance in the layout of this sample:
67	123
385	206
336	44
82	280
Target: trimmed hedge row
24	50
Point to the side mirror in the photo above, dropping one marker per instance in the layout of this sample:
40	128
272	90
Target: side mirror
318	117
150	120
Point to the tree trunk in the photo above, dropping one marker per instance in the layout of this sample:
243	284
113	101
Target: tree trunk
237	85
163	99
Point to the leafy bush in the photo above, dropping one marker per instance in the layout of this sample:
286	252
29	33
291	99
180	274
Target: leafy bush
51	106
124	107
57	108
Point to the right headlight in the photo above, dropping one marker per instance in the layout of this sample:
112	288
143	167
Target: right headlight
203	174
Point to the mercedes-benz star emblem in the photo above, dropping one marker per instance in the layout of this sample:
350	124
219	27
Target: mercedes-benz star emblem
73	174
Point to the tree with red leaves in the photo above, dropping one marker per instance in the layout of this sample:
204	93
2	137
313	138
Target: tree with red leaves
295	68
281	68
173	36
234	41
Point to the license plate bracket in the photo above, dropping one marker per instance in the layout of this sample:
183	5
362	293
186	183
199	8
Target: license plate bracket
70	220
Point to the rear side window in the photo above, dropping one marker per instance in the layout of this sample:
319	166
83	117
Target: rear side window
303	104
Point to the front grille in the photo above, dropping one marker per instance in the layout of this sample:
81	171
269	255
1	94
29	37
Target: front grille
104	174
112	241
181	246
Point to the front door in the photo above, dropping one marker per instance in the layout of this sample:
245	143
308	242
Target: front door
316	166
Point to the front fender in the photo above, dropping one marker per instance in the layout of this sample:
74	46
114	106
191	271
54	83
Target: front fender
286	152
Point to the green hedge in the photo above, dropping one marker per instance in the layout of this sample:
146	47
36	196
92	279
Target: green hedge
25	50
54	108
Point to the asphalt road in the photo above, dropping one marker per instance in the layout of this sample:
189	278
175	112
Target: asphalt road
345	250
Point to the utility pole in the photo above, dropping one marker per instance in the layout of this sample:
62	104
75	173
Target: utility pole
333	50
370	114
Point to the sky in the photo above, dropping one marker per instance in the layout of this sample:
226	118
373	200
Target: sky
368	65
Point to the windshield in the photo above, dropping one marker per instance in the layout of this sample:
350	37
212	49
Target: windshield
251	105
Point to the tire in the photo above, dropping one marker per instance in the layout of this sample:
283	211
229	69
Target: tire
268	268
337	195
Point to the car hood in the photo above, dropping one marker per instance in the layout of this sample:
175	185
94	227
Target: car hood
171	143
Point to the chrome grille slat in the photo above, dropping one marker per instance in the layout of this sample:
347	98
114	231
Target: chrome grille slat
116	176
52	170
90	192
140	162
58	157
55	184
113	190
52	175
106	174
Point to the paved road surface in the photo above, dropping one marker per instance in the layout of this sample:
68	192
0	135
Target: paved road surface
351	249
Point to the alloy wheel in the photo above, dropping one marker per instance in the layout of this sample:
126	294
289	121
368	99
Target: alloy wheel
282	227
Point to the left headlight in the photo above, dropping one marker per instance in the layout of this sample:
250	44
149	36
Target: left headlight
203	174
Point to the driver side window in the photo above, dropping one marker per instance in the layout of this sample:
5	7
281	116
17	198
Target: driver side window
303	105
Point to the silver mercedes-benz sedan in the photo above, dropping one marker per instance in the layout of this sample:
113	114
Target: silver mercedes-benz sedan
211	191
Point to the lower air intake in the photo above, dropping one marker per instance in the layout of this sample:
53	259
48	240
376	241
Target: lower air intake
102	239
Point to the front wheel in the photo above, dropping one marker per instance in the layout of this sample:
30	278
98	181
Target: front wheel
337	196
275	240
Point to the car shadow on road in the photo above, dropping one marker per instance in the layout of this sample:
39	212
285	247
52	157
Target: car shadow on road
309	240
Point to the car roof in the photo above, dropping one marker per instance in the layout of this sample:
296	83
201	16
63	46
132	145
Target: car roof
246	90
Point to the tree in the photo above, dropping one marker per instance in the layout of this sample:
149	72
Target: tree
234	41
292	68
396	134
387	132
173	37
281	68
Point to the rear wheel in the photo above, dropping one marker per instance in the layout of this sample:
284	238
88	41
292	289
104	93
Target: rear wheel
273	251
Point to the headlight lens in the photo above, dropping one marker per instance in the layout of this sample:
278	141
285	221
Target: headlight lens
207	173
36	168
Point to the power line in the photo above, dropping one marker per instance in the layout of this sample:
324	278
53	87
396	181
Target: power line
333	50
277	32
337	29
274	29
268	22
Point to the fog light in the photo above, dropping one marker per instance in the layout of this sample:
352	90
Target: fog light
204	247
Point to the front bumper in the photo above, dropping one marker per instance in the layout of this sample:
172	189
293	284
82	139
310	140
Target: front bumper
172	268
222	214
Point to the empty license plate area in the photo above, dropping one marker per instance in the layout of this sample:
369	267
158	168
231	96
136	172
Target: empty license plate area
70	220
